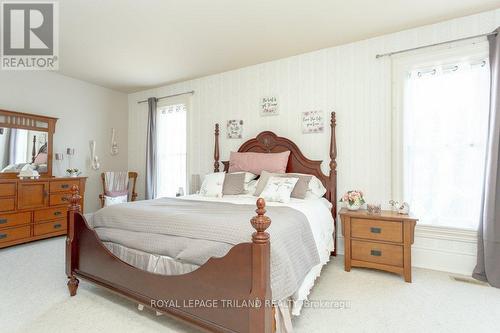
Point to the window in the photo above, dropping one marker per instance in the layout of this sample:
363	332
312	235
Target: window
443	134
172	149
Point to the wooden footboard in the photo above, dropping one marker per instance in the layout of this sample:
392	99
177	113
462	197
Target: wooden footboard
228	294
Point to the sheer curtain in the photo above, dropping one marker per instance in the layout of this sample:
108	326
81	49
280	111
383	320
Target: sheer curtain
445	126
171	150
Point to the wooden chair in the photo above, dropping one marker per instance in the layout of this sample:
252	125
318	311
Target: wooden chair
132	176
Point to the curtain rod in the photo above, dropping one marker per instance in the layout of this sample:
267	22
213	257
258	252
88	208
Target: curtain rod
431	45
174	95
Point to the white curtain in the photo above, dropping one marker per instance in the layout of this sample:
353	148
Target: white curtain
445	126
171	150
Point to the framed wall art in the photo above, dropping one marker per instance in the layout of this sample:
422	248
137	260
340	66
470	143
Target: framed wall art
269	106
235	129
313	122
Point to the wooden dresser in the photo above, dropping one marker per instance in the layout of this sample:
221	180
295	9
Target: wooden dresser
34	209
380	241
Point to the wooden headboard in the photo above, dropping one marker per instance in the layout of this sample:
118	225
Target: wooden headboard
268	142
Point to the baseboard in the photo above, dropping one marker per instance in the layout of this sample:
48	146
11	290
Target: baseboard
441	249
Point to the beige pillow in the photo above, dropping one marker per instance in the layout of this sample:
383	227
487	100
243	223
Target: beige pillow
299	191
234	183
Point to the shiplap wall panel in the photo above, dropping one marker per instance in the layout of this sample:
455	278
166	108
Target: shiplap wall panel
347	79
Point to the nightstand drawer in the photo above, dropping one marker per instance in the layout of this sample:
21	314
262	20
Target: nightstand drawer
377	252
377	230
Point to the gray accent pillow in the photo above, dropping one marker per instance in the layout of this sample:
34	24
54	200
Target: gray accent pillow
299	191
234	183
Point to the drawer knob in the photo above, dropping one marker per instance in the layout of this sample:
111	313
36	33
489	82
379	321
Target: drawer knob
57	226
3	221
65	186
2	236
57	213
65	198
376	253
375	230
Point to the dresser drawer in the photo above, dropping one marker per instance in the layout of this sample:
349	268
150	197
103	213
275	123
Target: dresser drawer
63	185
60	198
377	230
8	190
13	234
50	227
377	252
10	220
50	214
7	204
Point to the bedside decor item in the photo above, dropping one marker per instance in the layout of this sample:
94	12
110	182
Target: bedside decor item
235	129
374	208
381	241
269	106
94	160
114	144
313	122
394	205
73	172
353	200
404	208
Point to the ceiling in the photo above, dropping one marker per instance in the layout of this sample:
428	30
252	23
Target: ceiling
131	45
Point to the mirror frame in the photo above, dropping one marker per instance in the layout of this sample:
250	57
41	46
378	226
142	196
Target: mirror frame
29	121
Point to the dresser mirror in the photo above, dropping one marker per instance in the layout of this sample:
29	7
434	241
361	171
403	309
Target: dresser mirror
25	140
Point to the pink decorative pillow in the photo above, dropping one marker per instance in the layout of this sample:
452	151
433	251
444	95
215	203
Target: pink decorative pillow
258	162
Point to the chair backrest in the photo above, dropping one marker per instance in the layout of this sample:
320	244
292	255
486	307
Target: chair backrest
132	176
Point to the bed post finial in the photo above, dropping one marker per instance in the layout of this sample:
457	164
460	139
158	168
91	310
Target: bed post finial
71	247
333	174
75	199
260	223
216	150
261	317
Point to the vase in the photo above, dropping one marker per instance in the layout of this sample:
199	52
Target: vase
353	206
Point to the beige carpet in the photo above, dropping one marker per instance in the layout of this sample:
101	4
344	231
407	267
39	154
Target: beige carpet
34	298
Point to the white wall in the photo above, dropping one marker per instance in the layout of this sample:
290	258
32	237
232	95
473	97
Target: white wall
347	79
85	111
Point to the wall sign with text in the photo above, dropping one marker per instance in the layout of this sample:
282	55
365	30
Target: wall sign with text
234	129
313	122
269	106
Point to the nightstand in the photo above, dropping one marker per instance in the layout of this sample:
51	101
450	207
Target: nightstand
380	241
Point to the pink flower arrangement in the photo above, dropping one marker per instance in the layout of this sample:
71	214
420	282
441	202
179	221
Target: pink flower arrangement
354	197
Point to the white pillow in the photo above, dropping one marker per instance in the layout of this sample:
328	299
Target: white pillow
279	189
110	201
212	185
251	187
316	187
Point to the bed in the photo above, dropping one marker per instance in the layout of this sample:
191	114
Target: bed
234	288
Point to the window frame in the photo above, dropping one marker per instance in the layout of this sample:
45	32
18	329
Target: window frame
403	64
187	101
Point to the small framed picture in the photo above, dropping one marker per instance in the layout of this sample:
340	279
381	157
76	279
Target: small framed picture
235	129
313	122
269	106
